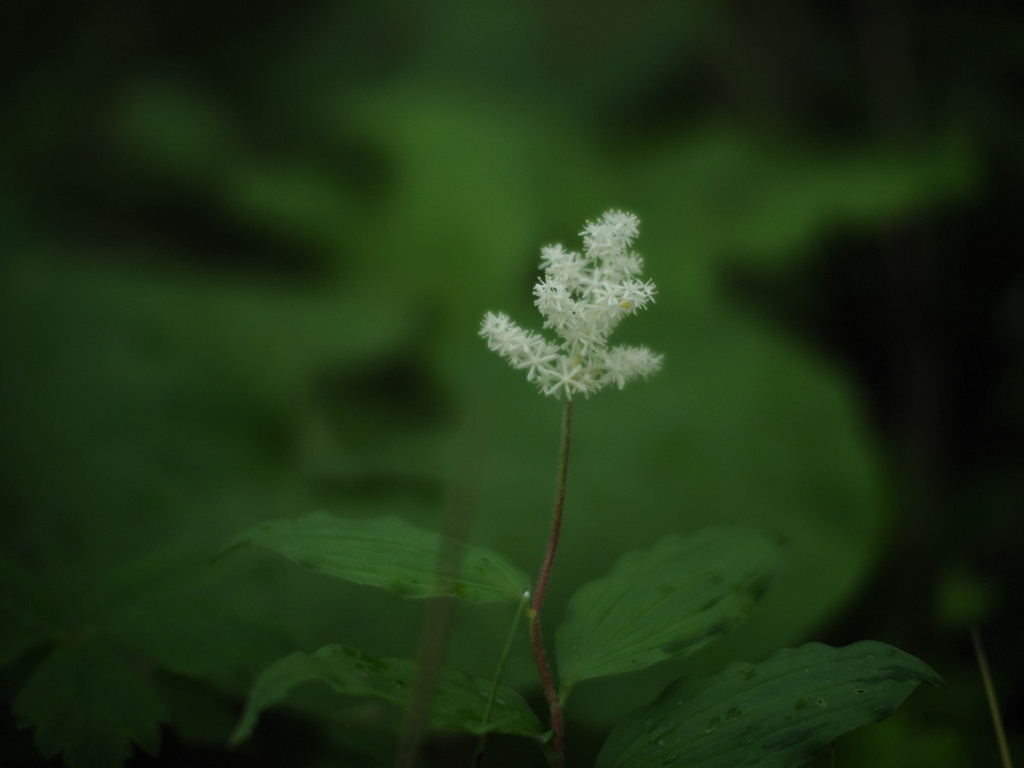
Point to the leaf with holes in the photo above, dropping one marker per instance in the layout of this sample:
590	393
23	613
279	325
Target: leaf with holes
665	602
775	714
389	553
460	699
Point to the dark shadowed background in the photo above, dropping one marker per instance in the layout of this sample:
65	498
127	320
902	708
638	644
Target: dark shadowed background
246	248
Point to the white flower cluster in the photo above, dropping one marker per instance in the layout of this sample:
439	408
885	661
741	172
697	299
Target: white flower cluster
582	297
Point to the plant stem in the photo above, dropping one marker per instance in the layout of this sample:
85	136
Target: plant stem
990	694
497	679
550	691
439	612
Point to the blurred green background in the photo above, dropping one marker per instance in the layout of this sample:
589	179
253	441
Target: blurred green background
245	253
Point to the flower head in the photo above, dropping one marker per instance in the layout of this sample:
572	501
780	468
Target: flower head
582	297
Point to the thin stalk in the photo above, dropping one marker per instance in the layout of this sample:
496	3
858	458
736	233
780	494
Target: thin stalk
990	694
543	668
439	612
497	677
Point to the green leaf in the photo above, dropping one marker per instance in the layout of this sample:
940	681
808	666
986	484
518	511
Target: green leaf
665	602
460	699
775	714
389	553
86	701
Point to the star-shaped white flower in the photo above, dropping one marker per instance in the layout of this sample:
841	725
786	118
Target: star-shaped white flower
582	297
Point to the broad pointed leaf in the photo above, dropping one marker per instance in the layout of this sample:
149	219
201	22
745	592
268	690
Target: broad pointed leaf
776	714
86	701
460	699
665	602
389	553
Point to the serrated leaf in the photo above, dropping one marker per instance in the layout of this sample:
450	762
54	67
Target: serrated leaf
775	714
86	701
665	602
460	699
389	553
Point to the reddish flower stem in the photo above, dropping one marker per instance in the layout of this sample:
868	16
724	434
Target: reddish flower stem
548	681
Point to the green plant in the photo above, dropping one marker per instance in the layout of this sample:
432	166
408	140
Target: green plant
661	603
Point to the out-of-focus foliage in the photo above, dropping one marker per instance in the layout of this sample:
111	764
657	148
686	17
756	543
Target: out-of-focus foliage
84	701
244	261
